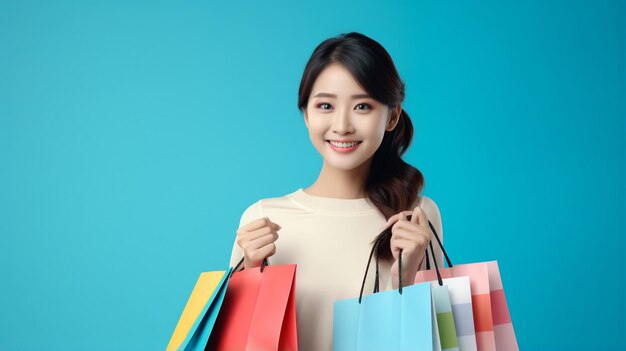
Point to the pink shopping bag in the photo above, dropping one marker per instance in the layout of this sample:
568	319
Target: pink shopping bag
492	320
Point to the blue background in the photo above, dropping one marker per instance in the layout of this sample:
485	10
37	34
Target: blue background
134	134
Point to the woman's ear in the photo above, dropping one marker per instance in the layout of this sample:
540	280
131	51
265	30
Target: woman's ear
394	118
306	119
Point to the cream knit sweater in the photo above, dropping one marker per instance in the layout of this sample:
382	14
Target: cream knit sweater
329	239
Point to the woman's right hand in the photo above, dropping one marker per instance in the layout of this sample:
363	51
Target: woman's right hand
256	239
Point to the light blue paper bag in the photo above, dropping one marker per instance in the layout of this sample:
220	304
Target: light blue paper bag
400	319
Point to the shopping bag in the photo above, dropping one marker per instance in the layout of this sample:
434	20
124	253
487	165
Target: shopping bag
481	299
445	319
502	324
444	333
486	318
436	337
196	322
461	304
259	311
399	319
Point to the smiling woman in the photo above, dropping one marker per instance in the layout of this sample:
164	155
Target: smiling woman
342	117
351	97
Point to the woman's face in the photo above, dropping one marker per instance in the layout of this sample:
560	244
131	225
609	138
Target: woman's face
345	125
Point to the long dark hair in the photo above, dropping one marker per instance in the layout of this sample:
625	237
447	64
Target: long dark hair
392	184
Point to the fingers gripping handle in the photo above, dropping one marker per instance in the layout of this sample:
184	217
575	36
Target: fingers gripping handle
378	242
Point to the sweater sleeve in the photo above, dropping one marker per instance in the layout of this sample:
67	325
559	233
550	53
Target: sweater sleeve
251	213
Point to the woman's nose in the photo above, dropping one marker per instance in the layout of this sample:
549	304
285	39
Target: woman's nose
342	123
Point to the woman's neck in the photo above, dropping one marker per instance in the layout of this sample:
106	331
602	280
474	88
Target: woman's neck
340	184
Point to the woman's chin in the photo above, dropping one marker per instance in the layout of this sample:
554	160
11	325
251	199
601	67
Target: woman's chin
343	165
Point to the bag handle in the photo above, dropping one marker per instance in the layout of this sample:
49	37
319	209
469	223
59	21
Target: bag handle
263	265
387	233
440	244
439	278
376	283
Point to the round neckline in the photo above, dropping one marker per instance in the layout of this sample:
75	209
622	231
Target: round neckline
331	198
332	204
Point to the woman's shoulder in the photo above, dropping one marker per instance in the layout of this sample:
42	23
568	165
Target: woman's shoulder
428	204
269	202
262	206
431	209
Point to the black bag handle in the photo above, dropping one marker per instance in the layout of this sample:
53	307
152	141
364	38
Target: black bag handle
387	233
439	278
263	265
438	242
369	260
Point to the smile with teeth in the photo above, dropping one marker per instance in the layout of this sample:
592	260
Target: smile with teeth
344	145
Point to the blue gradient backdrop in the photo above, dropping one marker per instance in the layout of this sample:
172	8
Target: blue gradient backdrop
134	134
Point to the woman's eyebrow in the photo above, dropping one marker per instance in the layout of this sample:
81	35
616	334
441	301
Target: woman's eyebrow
356	96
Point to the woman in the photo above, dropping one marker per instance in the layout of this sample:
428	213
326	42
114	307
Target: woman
351	97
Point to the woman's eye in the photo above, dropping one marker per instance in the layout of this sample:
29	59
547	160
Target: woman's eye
327	106
324	106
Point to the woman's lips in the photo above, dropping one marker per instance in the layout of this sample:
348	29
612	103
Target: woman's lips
344	150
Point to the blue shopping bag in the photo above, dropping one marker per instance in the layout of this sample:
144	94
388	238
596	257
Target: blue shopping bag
400	319
196	322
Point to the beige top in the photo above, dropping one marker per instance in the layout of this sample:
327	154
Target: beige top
330	240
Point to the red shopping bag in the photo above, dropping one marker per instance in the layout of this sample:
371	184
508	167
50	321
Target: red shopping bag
259	311
492	320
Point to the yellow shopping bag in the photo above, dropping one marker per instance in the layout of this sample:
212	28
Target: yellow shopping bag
196	322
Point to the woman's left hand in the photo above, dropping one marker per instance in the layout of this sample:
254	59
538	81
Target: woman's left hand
411	237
